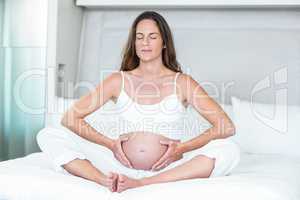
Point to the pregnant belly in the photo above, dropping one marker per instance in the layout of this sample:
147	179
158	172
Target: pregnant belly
143	149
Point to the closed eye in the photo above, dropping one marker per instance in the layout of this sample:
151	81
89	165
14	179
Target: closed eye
140	36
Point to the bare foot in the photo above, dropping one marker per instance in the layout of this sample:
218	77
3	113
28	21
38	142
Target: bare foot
124	183
111	181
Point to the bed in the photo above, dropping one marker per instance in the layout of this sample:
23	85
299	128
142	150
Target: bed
267	170
258	176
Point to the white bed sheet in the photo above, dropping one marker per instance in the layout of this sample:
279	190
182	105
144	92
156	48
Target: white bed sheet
259	177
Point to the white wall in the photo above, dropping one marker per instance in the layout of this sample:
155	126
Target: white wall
69	25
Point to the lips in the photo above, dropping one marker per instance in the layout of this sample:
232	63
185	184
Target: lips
146	50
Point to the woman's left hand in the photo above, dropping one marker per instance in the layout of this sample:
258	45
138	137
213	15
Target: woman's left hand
172	154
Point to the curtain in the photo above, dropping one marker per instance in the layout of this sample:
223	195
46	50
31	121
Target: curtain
23	26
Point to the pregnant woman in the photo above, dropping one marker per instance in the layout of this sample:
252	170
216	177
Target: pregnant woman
153	94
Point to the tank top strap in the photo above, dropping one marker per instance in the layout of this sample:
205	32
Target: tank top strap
122	86
176	75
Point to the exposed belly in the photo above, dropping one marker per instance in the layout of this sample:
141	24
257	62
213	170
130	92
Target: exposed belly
143	149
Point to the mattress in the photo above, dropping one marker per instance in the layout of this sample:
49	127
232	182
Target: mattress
258	176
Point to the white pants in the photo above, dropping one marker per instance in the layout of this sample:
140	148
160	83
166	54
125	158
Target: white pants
63	146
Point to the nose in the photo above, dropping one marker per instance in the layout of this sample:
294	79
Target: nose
145	41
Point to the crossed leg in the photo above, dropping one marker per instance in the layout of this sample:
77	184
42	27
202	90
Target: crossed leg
198	167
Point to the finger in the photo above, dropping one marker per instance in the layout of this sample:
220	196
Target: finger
123	161
123	139
118	157
165	142
128	163
124	135
160	161
163	158
163	165
124	158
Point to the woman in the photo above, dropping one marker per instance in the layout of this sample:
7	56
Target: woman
149	68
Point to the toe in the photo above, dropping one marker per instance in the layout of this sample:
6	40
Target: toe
120	189
110	175
111	181
121	178
115	182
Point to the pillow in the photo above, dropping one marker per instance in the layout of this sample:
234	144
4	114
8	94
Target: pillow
196	124
266	128
54	116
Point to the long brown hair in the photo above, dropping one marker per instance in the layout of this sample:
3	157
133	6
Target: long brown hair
130	60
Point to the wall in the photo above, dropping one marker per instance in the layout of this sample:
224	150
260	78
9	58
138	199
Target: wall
69	25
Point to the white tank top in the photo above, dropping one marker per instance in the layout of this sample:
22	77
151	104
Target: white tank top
165	117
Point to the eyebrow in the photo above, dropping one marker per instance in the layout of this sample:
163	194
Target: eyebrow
149	34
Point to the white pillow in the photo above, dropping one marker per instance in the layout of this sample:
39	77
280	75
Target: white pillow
55	115
266	128
197	124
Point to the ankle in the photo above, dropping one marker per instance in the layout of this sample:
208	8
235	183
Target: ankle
101	179
144	181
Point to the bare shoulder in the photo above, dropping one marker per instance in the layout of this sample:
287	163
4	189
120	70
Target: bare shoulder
113	82
184	80
114	77
189	86
183	76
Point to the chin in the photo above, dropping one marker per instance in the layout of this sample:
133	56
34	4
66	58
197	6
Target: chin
148	58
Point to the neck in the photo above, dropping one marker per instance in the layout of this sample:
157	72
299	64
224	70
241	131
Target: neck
152	69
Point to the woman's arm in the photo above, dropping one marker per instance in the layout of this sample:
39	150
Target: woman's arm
195	95
73	119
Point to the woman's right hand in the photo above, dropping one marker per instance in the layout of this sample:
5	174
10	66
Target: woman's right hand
118	151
